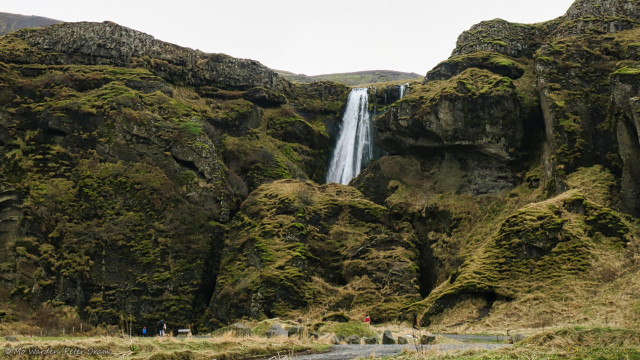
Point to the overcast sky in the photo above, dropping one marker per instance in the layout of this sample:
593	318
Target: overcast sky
305	36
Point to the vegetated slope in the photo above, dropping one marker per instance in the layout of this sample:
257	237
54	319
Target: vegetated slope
12	22
516	160
141	180
353	78
122	159
297	245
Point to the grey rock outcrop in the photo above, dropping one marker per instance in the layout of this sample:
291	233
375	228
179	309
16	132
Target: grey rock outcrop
387	338
498	36
489	122
603	8
276	330
354	340
108	43
585	17
625	89
371	340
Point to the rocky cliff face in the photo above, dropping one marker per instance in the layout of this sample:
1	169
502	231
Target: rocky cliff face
625	94
140	179
520	114
111	44
123	159
484	98
515	40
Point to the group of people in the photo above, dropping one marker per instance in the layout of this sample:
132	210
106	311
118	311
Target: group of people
162	329
162	326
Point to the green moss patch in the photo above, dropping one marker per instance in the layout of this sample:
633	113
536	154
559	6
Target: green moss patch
295	245
346	329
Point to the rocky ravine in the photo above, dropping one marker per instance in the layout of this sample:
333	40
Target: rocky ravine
149	180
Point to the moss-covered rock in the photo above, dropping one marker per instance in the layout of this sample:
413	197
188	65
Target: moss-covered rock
515	40
297	245
496	63
477	110
108	43
117	180
264	97
142	180
542	243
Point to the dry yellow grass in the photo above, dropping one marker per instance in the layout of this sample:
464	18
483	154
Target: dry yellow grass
225	347
600	295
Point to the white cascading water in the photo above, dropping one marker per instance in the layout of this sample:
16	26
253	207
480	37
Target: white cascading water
402	88
354	148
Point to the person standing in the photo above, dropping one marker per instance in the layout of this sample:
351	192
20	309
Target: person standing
367	320
161	327
144	331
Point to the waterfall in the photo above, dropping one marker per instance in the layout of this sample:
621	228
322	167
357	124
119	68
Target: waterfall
354	148
402	88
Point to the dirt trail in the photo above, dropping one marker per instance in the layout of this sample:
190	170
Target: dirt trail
348	352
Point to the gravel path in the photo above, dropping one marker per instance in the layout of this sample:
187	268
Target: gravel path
348	352
477	338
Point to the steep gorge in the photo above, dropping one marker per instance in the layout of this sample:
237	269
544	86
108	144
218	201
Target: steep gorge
144	180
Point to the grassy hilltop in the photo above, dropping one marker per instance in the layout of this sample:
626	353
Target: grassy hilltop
353	78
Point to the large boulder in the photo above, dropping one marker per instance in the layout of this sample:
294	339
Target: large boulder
354	340
276	330
387	338
371	340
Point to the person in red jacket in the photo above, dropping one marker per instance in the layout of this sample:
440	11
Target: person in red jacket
367	320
